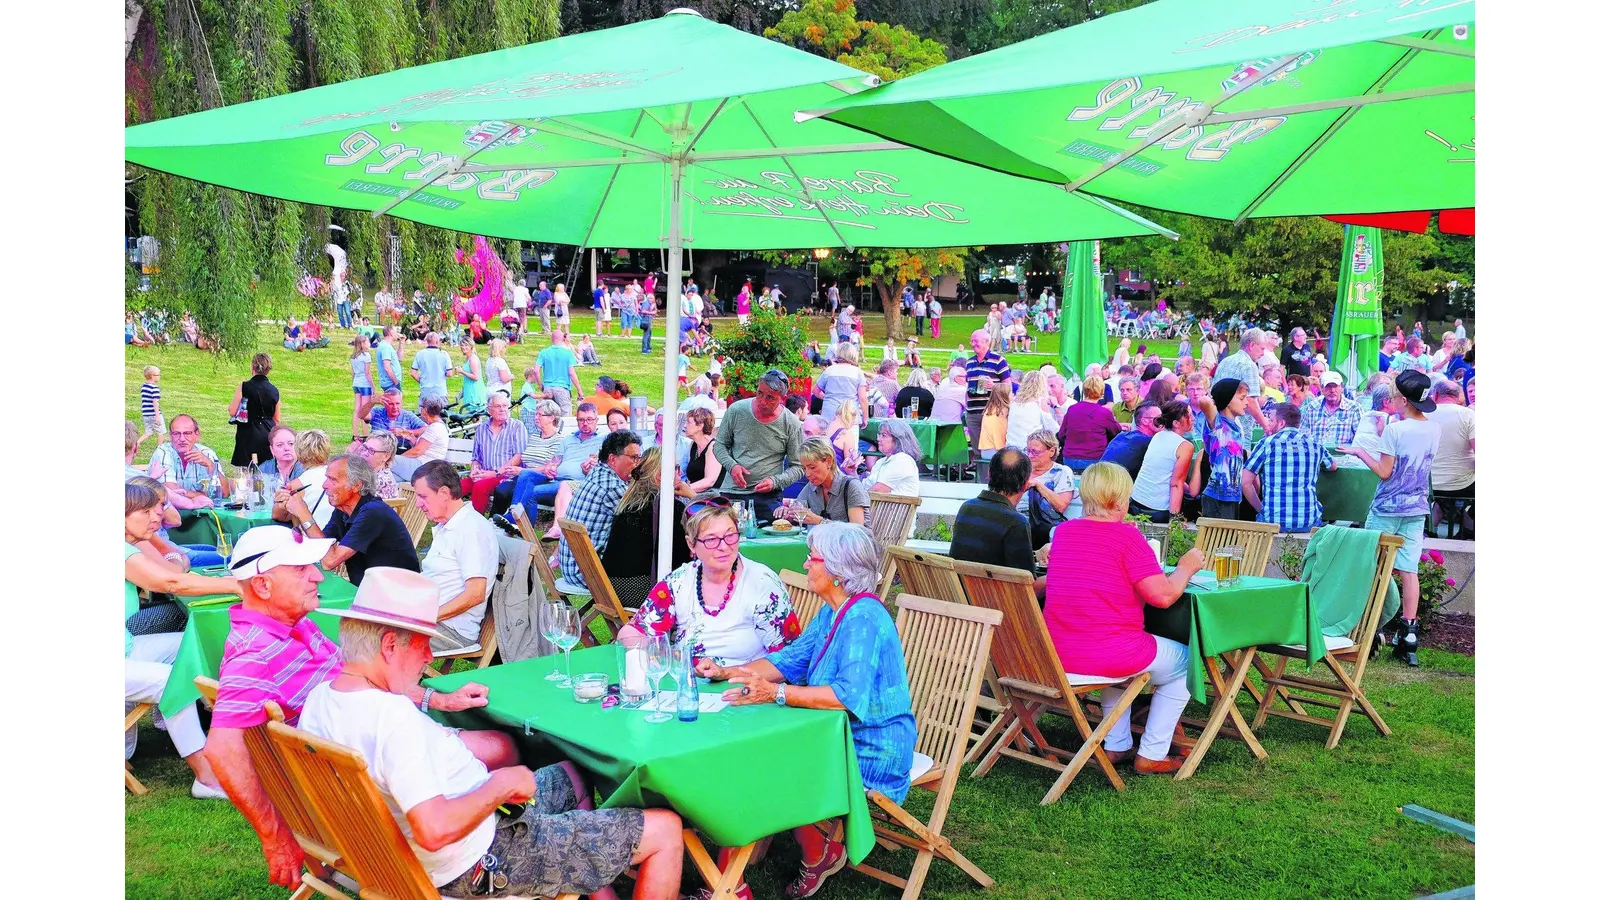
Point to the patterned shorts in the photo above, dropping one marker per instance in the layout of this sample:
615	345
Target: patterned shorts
554	847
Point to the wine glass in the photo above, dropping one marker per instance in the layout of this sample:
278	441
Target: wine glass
550	627
658	663
566	638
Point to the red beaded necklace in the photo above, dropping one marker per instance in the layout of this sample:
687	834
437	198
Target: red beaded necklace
700	590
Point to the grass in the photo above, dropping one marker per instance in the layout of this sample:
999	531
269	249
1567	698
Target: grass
315	385
1303	822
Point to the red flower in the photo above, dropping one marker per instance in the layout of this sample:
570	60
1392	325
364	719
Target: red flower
791	627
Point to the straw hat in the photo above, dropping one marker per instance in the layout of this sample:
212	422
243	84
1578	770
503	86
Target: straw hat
397	597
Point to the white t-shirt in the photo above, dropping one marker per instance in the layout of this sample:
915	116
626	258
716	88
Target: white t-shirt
438	437
1414	444
899	473
497	375
464	547
1025	419
1367	436
411	758
1455	465
520	297
321	507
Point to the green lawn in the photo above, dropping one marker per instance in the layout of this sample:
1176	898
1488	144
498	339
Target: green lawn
315	385
1304	822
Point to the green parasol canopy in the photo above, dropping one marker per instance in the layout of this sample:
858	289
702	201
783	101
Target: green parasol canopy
671	132
1250	108
1358	309
1083	311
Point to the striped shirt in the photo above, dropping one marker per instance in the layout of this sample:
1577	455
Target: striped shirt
492	449
541	449
149	396
990	365
267	660
1288	464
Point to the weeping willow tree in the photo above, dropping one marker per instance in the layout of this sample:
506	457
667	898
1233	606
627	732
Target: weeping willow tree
228	257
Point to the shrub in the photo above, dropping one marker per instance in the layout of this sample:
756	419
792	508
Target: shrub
772	340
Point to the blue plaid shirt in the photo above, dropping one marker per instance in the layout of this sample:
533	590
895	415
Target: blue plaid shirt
1288	464
406	419
594	504
1337	426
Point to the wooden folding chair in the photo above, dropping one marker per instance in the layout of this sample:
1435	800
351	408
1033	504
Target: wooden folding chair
129	722
1254	537
1034	682
321	859
336	786
946	649
481	652
547	577
932	575
1353	650
806	602
891	518
416	521
594	574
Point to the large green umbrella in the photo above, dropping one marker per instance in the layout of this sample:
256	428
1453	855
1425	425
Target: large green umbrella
674	131
1358	309
1249	108
1083	311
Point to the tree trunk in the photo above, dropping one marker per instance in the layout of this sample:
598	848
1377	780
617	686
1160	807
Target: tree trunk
893	322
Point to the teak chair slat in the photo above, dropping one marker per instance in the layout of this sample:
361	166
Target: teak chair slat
891	518
594	574
806	602
547	577
1034	681
933	575
129	722
416	521
334	781
1344	693
321	858
481	652
945	646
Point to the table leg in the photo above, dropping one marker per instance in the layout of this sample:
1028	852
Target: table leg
1222	709
723	883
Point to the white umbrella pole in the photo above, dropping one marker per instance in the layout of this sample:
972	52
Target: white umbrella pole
669	390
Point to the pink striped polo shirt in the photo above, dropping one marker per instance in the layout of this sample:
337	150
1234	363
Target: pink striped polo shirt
268	660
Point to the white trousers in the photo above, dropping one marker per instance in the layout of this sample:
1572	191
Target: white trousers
146	670
1169	672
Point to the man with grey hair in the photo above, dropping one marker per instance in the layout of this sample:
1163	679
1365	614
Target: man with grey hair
1242	366
464	557
758	443
1298	359
1455	466
366	531
430	367
887	384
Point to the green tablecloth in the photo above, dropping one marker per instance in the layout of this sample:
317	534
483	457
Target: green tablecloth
207	633
1217	621
1346	492
198	528
737	775
776	552
943	443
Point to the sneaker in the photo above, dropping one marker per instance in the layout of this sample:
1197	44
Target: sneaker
1405	647
505	525
199	790
811	877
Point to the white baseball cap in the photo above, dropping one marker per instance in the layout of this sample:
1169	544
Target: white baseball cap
269	546
1332	377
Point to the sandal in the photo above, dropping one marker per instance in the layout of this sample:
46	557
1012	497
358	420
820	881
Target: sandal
812	876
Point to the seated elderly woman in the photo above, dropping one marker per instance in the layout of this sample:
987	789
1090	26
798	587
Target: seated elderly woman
897	472
284	464
313	449
148	658
378	450
1049	492
735	609
831	495
1102	573
848	658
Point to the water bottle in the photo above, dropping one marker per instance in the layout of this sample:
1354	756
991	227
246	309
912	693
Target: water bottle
253	498
749	518
688	691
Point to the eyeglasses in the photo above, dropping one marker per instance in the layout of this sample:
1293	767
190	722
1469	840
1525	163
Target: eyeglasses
731	539
1036	452
813	558
633	456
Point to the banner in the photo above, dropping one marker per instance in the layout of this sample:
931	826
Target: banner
1083	314
1358	307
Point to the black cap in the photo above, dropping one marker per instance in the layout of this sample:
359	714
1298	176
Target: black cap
1416	388
1223	392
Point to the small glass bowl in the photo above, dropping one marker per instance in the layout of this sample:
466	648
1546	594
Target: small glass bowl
590	686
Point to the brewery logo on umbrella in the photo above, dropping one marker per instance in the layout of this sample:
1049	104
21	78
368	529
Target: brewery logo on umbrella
1247	70
507	133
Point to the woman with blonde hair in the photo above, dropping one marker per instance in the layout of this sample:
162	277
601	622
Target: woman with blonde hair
992	427
474	397
631	563
1030	410
1087	427
844	435
497	371
734	609
842	380
563	306
1102	574
313	448
1123	356
830	495
361	383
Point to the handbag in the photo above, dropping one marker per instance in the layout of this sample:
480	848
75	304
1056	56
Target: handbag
241	417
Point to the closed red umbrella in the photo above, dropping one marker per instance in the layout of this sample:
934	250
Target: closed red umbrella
1451	221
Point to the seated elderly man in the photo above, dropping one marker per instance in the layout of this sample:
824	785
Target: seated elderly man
367	531
391	417
445	796
887	384
1455	468
1332	418
496	453
275	653
1280	477
594	504
187	466
988	529
464	557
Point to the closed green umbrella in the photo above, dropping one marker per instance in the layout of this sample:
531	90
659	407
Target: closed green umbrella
671	132
1358	308
1083	312
1249	108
